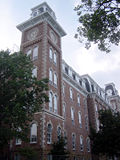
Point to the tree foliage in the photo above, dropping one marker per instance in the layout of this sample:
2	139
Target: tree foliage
99	23
28	153
59	150
107	140
21	95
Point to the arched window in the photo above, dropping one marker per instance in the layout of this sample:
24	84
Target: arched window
88	144
64	112
81	143
78	99
72	115
18	140
59	133
33	133
29	52
35	52
50	75
55	58
34	72
50	101
63	88
50	53
73	141
49	134
55	104
86	122
55	79
80	119
71	93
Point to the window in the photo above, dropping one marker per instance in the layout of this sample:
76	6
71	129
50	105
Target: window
49	134
17	157
88	144
80	119
63	89
55	104
55	79
73	141
74	77
97	124
50	101
64	110
29	53
78	100
71	93
81	143
55	58
18	141
66	70
50	53
34	72
33	133
35	53
50	75
86	123
96	107
72	115
59	133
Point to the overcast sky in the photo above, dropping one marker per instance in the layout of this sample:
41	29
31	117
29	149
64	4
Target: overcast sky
103	68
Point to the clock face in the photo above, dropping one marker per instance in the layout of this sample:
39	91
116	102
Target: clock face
109	92
32	34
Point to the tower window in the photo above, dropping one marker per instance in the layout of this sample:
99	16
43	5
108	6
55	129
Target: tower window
55	79
55	58
34	72
55	104
50	101
35	53
50	75
50	53
33	133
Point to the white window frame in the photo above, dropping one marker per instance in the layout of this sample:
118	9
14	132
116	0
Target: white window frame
78	99
73	141
71	93
34	72
50	53
51	101
50	75
81	143
35	53
49	134
72	115
80	119
33	137
88	144
55	79
55	104
55	57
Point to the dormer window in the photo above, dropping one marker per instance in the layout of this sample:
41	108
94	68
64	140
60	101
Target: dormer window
74	77
66	70
34	13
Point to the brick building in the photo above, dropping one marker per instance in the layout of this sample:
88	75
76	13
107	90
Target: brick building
74	99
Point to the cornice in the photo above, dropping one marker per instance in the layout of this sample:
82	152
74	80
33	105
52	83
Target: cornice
40	18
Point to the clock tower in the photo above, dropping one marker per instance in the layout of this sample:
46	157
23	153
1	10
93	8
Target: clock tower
41	40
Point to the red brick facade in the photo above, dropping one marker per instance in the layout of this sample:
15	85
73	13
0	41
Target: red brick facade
72	108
